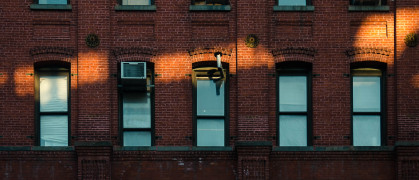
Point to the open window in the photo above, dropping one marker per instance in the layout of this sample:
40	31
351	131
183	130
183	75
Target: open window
210	2
210	108
294	103
368	104
368	2
136	97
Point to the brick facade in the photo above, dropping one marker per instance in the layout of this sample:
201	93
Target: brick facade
175	39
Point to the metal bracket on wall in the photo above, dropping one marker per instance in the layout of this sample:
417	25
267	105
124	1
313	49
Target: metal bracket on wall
158	137
391	75
233	137
273	75
346	137
72	74
188	75
74	137
30	137
1	74
114	75
188	137
233	75
157	75
346	75
316	75
29	74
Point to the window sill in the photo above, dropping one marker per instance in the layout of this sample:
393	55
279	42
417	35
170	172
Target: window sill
334	148
369	8
293	8
65	7
135	8
209	8
171	148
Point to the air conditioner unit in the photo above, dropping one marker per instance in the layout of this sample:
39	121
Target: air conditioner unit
133	70
134	75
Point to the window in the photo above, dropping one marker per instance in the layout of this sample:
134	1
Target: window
368	2
293	2
210	109
294	103
367	106
52	1
52	106
137	107
136	2
210	2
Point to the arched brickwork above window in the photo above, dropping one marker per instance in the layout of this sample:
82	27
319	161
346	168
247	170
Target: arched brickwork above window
369	54
294	54
207	54
45	53
135	54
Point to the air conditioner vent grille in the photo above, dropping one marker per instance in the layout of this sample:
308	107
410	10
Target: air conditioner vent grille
133	70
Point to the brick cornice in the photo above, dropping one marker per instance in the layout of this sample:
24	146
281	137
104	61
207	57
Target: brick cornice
294	54
207	54
134	53
368	54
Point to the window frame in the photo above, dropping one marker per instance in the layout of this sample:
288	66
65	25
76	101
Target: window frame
383	94
381	3
37	2
152	2
226	2
308	3
125	89
210	65
55	71
295	69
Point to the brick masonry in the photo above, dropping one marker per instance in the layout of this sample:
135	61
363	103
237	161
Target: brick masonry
174	38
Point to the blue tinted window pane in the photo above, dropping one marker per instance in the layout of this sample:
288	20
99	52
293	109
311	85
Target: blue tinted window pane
292	2
366	130
292	130
292	93
52	1
210	132
210	97
54	130
137	110
137	138
366	94
135	2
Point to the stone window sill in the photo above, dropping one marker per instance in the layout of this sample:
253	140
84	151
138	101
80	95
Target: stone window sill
293	8
135	8
209	8
64	7
369	8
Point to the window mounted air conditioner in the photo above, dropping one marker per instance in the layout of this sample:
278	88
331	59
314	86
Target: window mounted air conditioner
133	70
134	75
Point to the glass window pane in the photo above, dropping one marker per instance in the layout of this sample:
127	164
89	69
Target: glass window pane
292	93
52	1
210	132
210	97
366	94
366	130
292	2
136	2
54	130
136	110
53	93
137	138
292	130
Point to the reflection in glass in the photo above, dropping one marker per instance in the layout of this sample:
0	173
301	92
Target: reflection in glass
54	130
210	132
293	130
53	93
209	102
292	93
366	130
137	110
291	2
135	2
52	1
366	94
137	138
